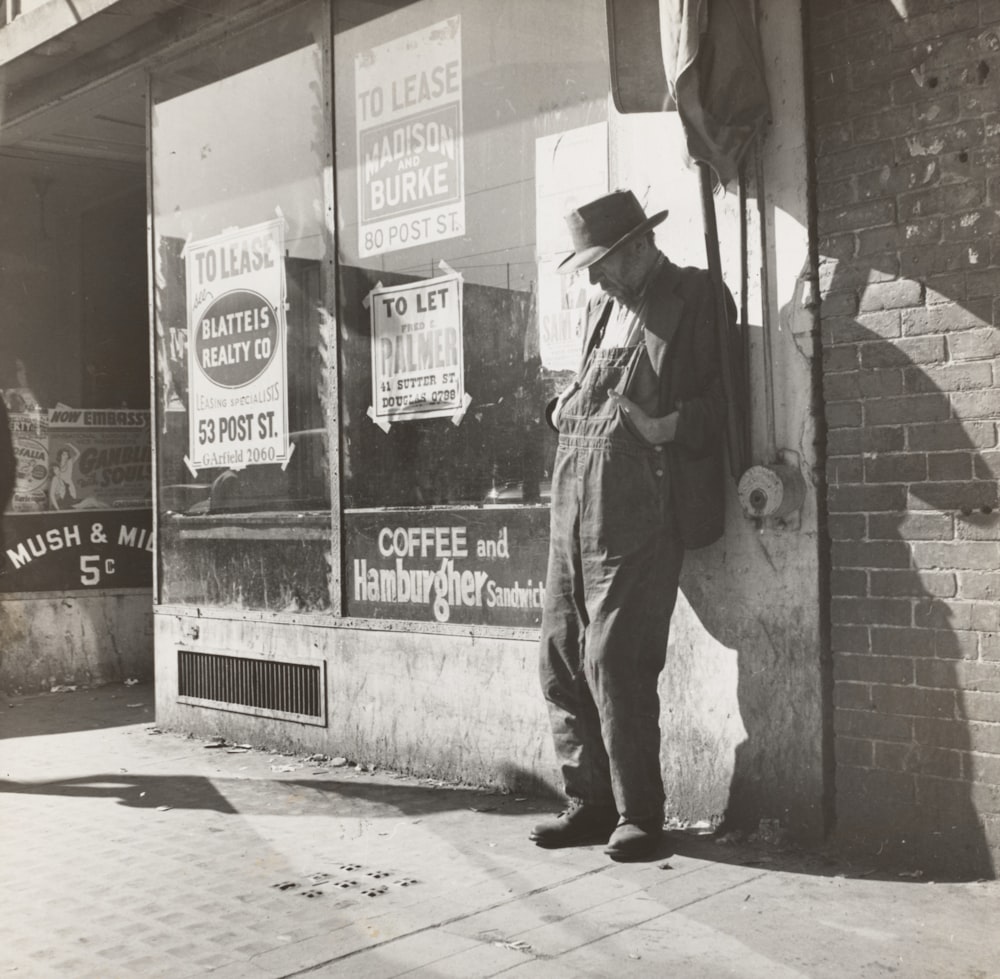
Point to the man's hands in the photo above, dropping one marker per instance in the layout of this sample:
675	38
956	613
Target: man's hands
656	431
575	386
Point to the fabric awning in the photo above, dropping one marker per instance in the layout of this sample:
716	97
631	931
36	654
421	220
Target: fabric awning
700	58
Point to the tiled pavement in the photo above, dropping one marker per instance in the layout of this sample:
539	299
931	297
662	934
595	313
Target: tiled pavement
126	853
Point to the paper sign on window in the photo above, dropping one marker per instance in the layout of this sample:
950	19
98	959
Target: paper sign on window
237	378
409	111
417	358
571	168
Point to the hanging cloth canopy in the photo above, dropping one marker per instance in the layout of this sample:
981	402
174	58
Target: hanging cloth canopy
700	58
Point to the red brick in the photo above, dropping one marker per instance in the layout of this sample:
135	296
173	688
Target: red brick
849	583
976	404
949	466
947	288
960	496
846	527
944	200
868	724
975	345
940	19
963	675
989	648
849	639
893	791
949	617
979	586
868	327
892	295
917	759
927	260
866	499
903	353
836	193
837	248
905	642
986	464
966	555
907	409
969	226
985	618
914	701
852	696
897	671
901	467
911	526
855	217
844	415
855	160
950	377
841	358
846	469
978	706
960	435
872	611
982	524
981	283
873	242
862	384
898	584
870	554
957	733
855	752
894	121
983	768
846	50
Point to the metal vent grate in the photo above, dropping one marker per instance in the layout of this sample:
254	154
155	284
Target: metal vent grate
289	691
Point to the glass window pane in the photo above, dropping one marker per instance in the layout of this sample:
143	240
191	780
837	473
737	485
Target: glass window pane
447	119
240	151
464	133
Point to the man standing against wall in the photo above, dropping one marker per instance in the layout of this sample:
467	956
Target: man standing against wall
637	479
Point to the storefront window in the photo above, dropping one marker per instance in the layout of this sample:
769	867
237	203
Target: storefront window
241	222
464	131
243	219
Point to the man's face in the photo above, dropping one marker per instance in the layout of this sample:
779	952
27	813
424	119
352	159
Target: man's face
616	274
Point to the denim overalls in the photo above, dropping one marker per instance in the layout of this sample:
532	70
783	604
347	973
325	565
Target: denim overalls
614	564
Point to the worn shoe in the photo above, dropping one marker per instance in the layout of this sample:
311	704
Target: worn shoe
577	826
634	840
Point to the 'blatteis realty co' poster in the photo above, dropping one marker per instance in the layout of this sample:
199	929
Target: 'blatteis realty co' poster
409	120
237	377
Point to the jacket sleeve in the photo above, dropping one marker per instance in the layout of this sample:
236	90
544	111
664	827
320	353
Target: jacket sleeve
702	415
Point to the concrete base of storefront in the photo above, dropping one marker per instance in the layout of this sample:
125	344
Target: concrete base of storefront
452	706
50	639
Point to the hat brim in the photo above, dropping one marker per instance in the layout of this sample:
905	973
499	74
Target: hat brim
576	261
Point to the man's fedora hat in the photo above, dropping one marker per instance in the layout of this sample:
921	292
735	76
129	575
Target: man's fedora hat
601	226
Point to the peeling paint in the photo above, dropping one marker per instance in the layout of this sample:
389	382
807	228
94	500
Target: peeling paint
918	148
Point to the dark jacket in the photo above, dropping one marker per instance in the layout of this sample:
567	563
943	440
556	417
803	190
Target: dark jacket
681	339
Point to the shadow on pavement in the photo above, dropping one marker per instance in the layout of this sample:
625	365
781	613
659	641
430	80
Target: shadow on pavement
82	709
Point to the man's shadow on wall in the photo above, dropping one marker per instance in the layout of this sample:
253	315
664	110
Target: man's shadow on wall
912	496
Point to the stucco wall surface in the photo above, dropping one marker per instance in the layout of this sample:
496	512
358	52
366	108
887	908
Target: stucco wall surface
742	692
446	706
89	640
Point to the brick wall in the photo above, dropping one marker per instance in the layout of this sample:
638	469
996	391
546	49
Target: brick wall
906	131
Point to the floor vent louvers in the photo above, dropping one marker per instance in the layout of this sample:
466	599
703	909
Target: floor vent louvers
265	687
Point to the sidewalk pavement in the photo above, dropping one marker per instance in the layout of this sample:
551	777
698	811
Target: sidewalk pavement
128	853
